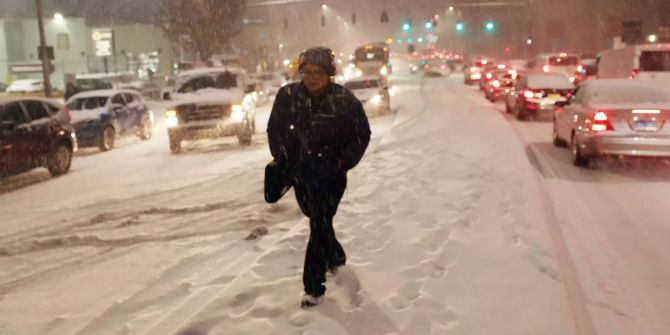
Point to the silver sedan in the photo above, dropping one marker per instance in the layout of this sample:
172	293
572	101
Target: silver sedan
615	117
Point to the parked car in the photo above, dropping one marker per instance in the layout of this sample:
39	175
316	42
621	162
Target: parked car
650	61
372	92
272	81
34	133
489	72
614	117
34	88
211	102
3	86
99	117
537	93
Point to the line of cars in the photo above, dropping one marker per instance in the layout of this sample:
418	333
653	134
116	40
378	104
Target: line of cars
620	106
206	102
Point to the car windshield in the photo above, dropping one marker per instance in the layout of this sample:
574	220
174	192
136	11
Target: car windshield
564	61
223	81
87	103
362	84
655	61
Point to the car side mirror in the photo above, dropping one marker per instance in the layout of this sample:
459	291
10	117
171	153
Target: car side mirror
167	96
249	88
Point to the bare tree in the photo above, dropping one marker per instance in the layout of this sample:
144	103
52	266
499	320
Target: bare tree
209	25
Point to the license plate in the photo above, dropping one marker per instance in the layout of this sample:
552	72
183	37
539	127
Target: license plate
554	96
645	125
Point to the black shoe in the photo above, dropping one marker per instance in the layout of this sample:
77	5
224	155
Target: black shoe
309	301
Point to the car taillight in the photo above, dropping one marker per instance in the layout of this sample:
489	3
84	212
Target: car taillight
634	73
545	68
600	122
496	83
529	94
489	75
580	68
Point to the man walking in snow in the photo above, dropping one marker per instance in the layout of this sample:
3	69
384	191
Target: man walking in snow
318	131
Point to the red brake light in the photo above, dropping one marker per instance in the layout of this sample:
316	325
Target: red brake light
489	76
634	73
600	122
496	83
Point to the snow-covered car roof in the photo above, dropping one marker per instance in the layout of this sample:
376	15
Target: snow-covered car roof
628	92
551	81
101	93
7	99
24	83
210	71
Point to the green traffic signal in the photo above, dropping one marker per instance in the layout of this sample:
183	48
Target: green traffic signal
429	25
406	26
460	26
490	26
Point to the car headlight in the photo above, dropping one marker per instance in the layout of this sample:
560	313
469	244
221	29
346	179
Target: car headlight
376	99
238	114
476	75
171	119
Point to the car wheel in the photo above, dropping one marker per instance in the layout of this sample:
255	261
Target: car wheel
244	138
145	130
521	112
59	159
557	140
175	144
579	159
107	139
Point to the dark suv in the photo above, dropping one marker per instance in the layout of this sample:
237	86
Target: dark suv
34	133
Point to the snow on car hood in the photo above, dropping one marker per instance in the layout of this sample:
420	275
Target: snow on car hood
210	96
365	94
87	114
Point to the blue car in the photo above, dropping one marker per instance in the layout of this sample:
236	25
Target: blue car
99	117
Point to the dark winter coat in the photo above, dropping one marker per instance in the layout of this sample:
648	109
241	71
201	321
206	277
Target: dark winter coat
311	136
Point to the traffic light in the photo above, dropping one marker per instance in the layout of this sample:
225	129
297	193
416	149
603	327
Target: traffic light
420	40
429	24
490	26
406	26
460	26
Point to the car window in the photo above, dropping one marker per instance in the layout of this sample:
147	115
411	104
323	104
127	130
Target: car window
53	110
118	99
87	103
226	80
36	110
129	98
13	112
196	84
362	84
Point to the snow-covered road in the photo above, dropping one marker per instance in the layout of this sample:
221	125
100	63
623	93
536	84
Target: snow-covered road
459	220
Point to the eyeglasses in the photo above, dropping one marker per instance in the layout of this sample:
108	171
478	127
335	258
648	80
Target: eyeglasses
313	74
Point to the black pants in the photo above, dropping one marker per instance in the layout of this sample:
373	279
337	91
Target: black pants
318	200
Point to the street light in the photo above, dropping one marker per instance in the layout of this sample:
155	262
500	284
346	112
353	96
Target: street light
58	17
451	8
652	38
324	6
529	41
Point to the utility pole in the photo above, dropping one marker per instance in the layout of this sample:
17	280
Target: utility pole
46	68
